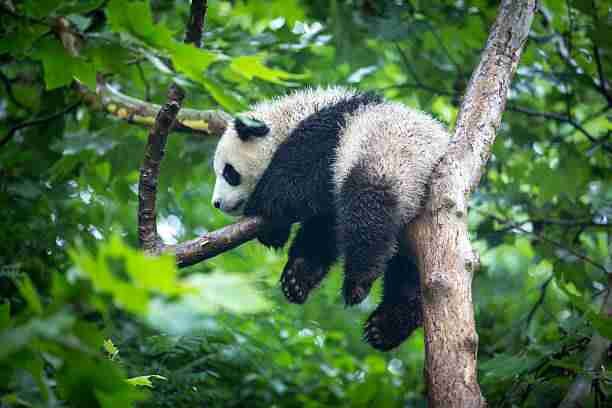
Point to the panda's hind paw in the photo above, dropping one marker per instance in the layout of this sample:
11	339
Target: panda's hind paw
355	293
298	279
389	325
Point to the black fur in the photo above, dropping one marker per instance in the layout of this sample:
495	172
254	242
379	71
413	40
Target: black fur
400	312
312	253
304	175
362	223
368	229
249	127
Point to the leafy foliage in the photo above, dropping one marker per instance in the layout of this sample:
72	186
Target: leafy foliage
88	320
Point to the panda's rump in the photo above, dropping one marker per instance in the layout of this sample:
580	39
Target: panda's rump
396	147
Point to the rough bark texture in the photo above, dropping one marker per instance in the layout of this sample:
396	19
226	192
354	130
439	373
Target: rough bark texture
149	171
216	242
195	27
132	110
439	236
164	119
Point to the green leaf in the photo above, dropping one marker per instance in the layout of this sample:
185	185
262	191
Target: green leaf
144	380
29	293
230	292
52	328
60	67
223	96
504	367
110	348
128	275
601	323
252	66
135	18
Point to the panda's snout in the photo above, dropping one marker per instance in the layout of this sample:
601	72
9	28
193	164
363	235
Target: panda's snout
228	207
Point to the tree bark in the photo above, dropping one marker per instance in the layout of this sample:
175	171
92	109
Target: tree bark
439	236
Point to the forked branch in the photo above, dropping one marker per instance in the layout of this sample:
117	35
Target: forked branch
166	118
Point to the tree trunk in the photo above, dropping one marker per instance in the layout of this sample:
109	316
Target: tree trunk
439	236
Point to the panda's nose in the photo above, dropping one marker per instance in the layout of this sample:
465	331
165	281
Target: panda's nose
217	203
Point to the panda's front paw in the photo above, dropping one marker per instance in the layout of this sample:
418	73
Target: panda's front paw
299	278
390	324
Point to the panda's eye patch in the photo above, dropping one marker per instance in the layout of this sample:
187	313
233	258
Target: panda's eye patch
231	175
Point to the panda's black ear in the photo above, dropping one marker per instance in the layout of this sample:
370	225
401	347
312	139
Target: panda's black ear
247	127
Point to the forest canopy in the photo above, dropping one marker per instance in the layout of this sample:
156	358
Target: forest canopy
87	319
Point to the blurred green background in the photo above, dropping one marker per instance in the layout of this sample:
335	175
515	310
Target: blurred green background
86	319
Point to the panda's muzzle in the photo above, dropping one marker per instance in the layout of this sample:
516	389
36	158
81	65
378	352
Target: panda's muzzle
233	210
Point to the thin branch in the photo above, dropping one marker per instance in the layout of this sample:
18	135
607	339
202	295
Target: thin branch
519	226
539	302
562	119
407	64
9	92
38	121
195	27
216	242
603	82
132	110
422	86
595	355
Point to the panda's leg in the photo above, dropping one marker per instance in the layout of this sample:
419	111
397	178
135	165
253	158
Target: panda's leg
274	235
368	228
312	253
399	313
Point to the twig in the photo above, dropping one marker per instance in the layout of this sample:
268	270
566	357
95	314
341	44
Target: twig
603	82
518	226
36	122
562	119
195	26
132	110
407	64
9	92
539	302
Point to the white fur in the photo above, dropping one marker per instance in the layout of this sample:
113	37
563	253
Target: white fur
250	158
397	144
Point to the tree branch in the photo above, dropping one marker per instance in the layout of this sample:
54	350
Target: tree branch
195	27
149	171
439	236
132	110
38	121
169	115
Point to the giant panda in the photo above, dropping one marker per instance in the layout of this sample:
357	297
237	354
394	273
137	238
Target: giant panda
352	169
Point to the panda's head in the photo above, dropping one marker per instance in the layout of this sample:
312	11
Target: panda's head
242	155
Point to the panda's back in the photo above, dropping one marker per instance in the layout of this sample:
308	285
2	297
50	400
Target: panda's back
395	147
